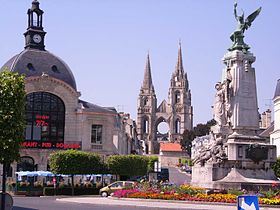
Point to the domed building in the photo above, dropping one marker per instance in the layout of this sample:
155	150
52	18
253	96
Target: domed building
55	116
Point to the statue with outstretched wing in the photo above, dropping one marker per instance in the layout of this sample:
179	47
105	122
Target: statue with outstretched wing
244	25
237	36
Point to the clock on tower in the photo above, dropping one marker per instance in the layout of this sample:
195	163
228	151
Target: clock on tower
34	36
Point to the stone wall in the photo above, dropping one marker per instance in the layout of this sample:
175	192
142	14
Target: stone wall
171	158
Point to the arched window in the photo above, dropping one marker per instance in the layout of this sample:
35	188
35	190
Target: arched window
45	117
145	101
177	97
146	126
177	126
55	69
34	19
30	67
26	163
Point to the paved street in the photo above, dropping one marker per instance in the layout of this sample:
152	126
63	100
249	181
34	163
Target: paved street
50	203
98	203
177	177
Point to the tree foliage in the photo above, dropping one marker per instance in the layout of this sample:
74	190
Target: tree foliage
199	130
203	129
151	163
276	167
75	162
186	141
12	111
128	165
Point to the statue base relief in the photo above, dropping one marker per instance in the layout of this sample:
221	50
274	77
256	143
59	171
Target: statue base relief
236	175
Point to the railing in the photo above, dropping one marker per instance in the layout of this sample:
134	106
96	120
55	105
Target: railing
96	147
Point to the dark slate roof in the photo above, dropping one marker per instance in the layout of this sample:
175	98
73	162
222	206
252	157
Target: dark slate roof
95	108
32	62
277	91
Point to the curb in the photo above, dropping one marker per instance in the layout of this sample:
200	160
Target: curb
189	202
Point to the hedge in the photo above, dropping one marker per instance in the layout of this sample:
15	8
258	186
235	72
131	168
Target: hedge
128	165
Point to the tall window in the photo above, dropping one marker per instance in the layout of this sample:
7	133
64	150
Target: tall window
96	134
177	126
45	117
145	101
177	97
146	126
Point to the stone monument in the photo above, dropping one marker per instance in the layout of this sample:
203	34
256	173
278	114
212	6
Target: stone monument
236	157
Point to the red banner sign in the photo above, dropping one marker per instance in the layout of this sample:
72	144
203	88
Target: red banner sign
50	145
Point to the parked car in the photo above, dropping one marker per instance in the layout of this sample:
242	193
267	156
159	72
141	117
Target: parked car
118	185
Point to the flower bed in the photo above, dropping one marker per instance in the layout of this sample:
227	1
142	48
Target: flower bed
187	193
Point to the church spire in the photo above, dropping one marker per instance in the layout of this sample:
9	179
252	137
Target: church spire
179	71
147	82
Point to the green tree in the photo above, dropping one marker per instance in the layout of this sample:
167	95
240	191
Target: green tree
186	141
276	167
151	163
74	162
203	129
12	106
128	165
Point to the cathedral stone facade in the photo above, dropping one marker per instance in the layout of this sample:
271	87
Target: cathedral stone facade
176	112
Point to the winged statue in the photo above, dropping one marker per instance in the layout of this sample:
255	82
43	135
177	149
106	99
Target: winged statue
244	25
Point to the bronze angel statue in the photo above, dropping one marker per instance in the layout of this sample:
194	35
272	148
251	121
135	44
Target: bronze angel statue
243	24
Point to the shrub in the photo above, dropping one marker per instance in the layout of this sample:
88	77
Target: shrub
276	167
75	162
128	165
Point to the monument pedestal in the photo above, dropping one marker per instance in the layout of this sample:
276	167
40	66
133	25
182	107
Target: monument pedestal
234	175
248	157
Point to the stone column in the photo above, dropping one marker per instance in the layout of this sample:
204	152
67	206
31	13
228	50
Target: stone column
243	93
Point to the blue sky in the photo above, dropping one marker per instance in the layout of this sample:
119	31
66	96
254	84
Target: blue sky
105	43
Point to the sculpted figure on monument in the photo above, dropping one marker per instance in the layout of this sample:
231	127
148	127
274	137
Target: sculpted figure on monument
211	153
219	105
222	107
242	25
245	24
203	156
228	94
217	151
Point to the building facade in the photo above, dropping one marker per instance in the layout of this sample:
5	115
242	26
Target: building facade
275	135
176	112
56	117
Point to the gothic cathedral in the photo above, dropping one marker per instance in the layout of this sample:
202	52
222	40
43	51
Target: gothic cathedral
177	112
